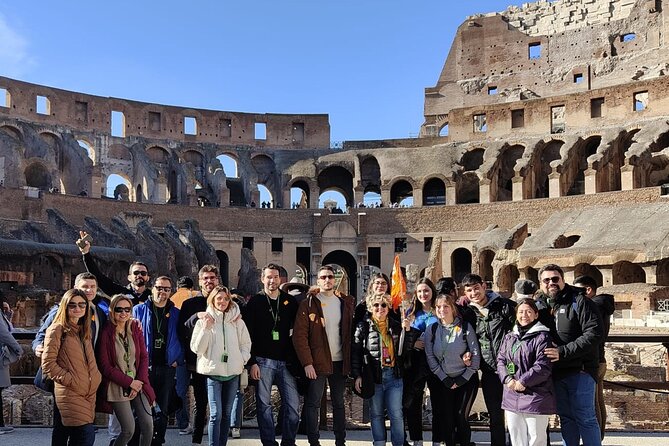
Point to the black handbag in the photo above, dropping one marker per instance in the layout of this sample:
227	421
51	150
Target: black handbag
42	382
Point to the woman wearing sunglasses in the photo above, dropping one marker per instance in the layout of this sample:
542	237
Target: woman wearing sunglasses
124	363
68	359
378	286
377	336
223	346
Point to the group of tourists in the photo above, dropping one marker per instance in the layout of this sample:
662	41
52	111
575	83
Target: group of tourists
132	354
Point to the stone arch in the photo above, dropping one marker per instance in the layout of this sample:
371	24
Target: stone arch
339	230
158	155
434	192
267	176
193	156
173	186
657	172
467	184
12	131
370	174
302	189
575	172
472	159
88	147
461	264
628	272
485	260
585	269
224	267
348	263
339	179
232	161
118	187
400	189
119	152
542	167
503	175
506	279
37	175
139	193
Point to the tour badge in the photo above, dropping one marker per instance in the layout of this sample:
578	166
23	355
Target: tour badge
511	368
158	343
386	355
275	335
224	357
130	373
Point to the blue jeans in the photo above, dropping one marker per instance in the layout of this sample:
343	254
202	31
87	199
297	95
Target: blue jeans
275	372
575	396
183	380
81	435
221	395
388	396
237	414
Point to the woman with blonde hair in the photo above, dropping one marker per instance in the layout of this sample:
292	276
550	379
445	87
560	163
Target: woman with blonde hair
377	338
124	362
68	359
378	286
223	346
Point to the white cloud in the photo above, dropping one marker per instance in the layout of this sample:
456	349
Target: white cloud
15	61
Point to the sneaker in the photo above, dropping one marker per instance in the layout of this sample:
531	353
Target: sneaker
236	433
6	430
187	431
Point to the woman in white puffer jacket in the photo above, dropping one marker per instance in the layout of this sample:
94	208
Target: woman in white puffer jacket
223	346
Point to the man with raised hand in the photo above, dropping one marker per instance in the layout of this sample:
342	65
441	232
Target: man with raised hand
138	274
159	318
192	309
322	340
269	317
578	333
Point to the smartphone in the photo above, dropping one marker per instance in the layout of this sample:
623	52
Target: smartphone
81	243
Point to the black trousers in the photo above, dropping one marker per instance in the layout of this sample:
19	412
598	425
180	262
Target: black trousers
199	383
312	405
493	389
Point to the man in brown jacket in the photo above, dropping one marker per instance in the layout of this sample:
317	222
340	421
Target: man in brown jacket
322	339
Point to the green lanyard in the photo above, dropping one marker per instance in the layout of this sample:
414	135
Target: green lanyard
159	323
275	316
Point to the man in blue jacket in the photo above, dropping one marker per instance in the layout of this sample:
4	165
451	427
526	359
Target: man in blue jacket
159	318
578	333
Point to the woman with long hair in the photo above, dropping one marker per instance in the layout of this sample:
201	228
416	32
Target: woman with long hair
379	284
377	337
223	346
419	374
525	371
10	351
124	363
68	359
445	346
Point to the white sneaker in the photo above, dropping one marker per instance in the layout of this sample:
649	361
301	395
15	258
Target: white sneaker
6	430
236	433
418	443
187	431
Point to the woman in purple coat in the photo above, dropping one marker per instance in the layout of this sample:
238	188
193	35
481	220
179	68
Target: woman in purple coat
529	397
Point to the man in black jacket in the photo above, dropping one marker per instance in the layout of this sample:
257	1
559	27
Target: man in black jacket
495	316
606	306
578	333
191	310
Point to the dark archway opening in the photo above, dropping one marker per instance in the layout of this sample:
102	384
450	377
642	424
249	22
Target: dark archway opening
461	264
348	263
224	267
434	192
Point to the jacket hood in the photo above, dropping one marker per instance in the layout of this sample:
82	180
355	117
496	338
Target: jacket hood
228	316
538	328
605	303
491	295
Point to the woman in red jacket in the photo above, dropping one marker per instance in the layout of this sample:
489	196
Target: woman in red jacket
124	364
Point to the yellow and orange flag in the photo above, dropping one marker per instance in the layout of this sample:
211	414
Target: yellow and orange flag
399	284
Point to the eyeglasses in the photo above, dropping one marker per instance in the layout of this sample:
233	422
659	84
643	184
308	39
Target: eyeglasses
140	273
165	289
75	305
554	279
382	305
122	310
329	277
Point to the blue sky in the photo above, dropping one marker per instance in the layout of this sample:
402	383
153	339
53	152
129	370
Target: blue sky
365	62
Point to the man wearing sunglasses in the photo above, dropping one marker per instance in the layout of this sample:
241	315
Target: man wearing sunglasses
578	333
138	274
322	340
87	283
159	318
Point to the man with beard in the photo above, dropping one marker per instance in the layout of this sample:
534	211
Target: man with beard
87	283
578	333
193	309
159	318
269	317
322	340
495	316
138	275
